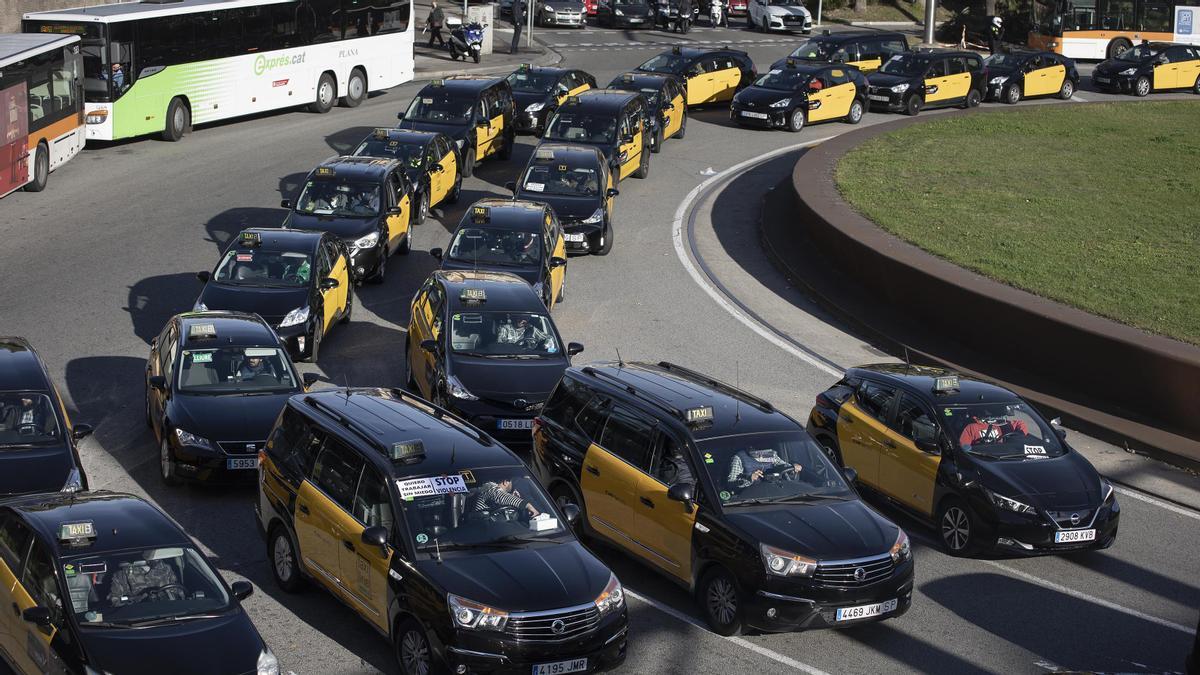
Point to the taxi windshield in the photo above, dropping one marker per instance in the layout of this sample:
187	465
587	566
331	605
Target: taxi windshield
557	179
496	246
771	467
664	63
27	419
582	127
334	198
901	64
787	3
498	507
785	79
1139	53
1009	430
256	267
812	50
1004	60
440	106
235	370
407	153
503	335
531	82
651	96
142	587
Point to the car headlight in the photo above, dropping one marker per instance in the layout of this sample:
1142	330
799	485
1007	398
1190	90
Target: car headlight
900	88
267	663
538	288
457	390
781	103
295	317
475	615
1001	79
1128	71
901	550
597	216
612	598
618	12
188	438
199	307
1006	504
366	241
534	107
783	563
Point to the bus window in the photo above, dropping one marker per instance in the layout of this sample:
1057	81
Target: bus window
1156	17
1117	15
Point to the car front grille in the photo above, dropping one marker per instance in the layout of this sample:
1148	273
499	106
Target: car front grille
1082	518
242	447
554	625
845	574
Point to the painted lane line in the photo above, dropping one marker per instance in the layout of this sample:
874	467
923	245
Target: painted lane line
1140	496
741	642
1079	595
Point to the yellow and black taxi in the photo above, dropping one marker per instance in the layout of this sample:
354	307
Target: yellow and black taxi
477	112
538	91
215	382
709	75
865	50
573	180
617	122
38	451
798	94
1018	74
519	237
430	161
721	493
482	345
1148	67
298	281
969	457
436	535
366	201
928	78
105	582
665	103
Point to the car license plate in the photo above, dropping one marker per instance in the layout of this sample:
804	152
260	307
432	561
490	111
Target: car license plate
864	611
241	463
878	97
505	425
1103	80
576	237
1074	536
572	666
755	115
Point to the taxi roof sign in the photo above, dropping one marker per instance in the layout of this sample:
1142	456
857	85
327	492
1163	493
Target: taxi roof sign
325	171
250	239
81	532
524	66
202	331
627	77
543	153
573	99
698	415
381	132
473	295
404	450
562	167
945	383
438	83
676	49
791	63
481	214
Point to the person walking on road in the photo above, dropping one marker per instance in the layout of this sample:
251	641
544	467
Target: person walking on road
437	18
518	17
996	30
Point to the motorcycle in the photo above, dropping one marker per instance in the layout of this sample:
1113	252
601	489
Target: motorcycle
669	18
465	39
717	16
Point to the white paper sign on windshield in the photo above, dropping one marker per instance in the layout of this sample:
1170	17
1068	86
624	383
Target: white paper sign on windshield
429	487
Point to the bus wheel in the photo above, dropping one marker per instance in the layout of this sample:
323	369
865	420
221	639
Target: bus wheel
1118	47
41	169
356	89
178	120
326	94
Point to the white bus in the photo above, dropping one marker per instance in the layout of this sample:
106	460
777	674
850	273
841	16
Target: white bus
41	108
160	66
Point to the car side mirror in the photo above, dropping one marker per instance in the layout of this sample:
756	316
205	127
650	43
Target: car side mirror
436	253
557	262
1056	423
285	203
309	379
430	346
571	513
204	276
158	382
511	186
329	283
627	138
668	106
684	493
612	192
39	616
850	474
574	348
436	168
377	536
394	211
81	431
242	589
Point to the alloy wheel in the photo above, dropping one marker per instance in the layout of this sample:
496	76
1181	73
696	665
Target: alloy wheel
956	528
722	600
284	560
414	653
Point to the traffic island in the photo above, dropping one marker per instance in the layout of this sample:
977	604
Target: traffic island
1031	198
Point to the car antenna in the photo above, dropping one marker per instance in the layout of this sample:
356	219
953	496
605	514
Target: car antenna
437	550
346	388
907	361
737	382
620	362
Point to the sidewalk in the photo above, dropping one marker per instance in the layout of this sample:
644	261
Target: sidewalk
435	62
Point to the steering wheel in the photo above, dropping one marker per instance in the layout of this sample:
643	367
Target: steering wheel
156	592
1012	436
778	473
504	513
293	278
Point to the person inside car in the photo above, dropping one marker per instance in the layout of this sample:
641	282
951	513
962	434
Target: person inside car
748	466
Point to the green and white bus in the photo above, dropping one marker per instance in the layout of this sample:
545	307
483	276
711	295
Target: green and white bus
160	66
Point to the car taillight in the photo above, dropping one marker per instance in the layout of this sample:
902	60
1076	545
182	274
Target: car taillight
823	401
537	425
262	457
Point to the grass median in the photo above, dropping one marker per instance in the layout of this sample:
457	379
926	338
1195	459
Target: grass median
1095	206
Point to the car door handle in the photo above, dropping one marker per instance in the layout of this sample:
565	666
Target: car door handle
592	470
16	610
647	502
348	544
887	442
303	508
847	419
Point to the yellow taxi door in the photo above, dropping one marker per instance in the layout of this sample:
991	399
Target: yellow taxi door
674	116
488	131
725	80
557	247
834	98
861	428
341	272
1166	75
1048	80
1189	72
329	296
608	182
631	150
421	327
941	85
27	644
397	223
364	568
608	485
664	526
318	535
446	177
906	472
699	85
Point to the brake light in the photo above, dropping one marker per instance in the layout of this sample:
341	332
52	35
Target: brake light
824	401
262	457
537	425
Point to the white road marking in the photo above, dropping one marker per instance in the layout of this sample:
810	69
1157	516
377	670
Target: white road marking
1079	595
1157	502
741	642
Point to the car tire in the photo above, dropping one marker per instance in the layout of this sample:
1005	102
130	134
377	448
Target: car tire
349	306
314	349
1067	90
682	124
414	655
957	526
972	100
604	243
1142	86
468	167
857	110
381	271
326	94
656	144
1118	47
765	27
913	105
41	169
168	469
1012	94
1196	86
720	602
422	207
178	120
456	191
643	169
284	556
356	89
795	121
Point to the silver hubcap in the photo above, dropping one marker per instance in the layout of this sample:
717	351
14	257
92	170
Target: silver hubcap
1068	89
414	653
956	528
797	119
722	601
326	93
164	458
856	112
1143	86
284	563
356	87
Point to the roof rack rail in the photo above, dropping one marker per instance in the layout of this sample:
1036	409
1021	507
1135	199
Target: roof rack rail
442	414
718	385
346	422
645	396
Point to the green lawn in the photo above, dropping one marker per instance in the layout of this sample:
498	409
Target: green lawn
1096	206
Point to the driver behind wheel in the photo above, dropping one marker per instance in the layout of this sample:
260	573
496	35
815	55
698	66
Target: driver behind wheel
492	495
143	580
990	429
748	466
518	329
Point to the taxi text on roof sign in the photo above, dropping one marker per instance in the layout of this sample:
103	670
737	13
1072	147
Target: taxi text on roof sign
701	414
627	77
325	171
408	450
79	532
474	294
946	383
480	214
381	132
543	153
199	331
251	239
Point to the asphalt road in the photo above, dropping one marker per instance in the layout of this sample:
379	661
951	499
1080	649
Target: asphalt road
92	268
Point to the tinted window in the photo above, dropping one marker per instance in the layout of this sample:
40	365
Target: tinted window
628	436
591	418
294	444
912	417
14	540
956	65
39	582
1177	54
974	63
893	46
372	505
336	472
1157	17
875	400
671	464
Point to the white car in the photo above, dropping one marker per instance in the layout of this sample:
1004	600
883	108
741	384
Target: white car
783	15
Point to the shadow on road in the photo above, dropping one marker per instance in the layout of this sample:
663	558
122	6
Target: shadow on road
345	141
153	300
226	225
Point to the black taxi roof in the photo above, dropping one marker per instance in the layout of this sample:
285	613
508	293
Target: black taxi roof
383	418
848	35
122	521
809	67
407	136
674	390
20	366
232	328
552	70
355	168
572	153
505	291
465	84
693	52
278	239
510	214
920	380
609	100
639	78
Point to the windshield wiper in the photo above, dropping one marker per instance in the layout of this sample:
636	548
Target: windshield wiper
805	498
103	624
163	620
756	500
